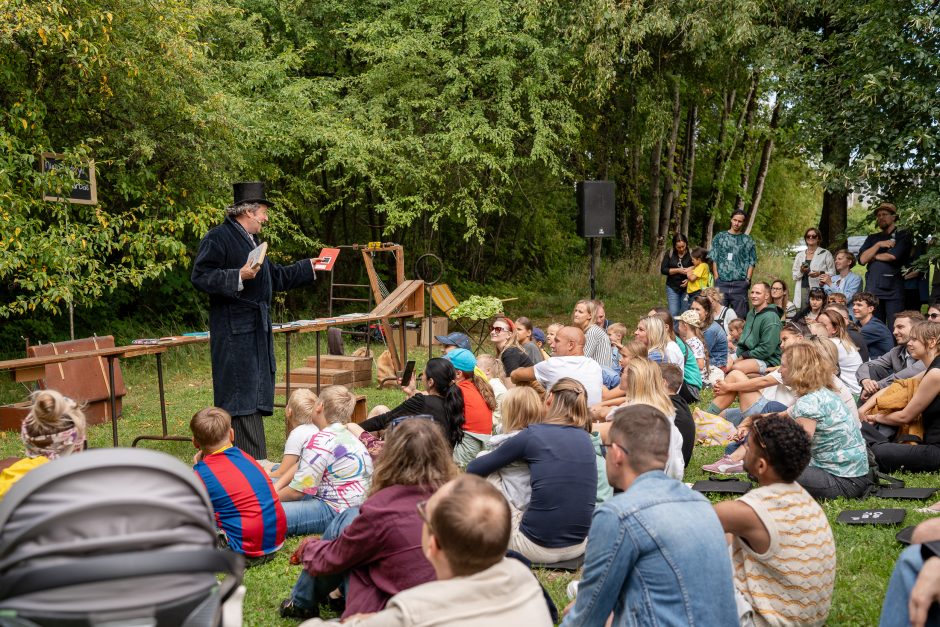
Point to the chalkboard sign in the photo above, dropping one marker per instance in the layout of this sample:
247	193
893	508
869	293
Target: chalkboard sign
84	191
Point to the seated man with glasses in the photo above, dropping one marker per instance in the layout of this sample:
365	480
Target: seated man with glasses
656	553
783	551
465	536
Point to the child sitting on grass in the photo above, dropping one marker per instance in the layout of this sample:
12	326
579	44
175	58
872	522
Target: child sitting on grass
735	329
299	412
247	510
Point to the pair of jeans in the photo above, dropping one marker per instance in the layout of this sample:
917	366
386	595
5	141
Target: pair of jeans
736	295
894	609
825	485
677	301
307	516
654	554
309	591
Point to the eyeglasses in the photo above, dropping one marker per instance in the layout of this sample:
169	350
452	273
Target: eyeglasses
605	447
422	507
810	236
758	436
496	329
933	316
776	288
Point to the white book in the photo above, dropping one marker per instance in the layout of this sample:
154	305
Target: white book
256	256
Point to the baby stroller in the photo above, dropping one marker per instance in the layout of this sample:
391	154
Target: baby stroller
112	537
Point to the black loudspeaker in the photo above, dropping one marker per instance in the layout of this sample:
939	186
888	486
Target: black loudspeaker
595	208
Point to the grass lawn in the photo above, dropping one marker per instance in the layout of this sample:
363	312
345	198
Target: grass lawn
866	554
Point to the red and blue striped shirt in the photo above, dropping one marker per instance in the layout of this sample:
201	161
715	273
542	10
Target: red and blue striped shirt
246	506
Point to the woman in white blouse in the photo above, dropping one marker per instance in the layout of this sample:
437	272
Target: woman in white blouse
809	265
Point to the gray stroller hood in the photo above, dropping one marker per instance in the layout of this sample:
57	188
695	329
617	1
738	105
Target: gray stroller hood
112	536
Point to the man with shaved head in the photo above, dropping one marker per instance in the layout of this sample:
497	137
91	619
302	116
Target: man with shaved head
465	537
567	360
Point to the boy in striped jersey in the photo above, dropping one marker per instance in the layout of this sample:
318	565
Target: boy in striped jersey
782	548
247	510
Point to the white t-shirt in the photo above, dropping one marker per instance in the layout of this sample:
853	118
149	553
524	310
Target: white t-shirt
780	392
298	438
578	367
674	355
849	363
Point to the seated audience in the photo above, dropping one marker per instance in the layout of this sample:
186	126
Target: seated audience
299	414
478	405
857	338
492	369
522	407
813	306
672	379
782	548
891	456
550	332
378	545
691	374
538	336
652	332
780	296
596	342
503	337
600	315
897	363
443	401
567	361
914	588
247	509
723	315
849	357
564	476
465	535
335	468
453	340
524	329
844	281
759	345
716	340
877	335
634	349
53	428
656	553
839	462
643	383
736	328
690	332
616	332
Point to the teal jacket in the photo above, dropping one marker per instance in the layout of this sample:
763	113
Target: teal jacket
761	336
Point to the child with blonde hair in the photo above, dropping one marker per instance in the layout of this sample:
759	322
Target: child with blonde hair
299	413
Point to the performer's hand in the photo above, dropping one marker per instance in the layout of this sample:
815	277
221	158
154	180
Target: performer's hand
247	272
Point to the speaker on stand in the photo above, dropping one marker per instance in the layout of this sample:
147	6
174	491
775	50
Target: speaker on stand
596	215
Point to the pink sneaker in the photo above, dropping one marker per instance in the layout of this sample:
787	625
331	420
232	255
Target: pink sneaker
725	466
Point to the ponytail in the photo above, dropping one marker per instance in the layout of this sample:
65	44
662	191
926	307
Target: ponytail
484	388
443	374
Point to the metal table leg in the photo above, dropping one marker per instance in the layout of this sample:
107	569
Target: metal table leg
165	436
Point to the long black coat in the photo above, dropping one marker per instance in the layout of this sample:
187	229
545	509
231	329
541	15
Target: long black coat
240	337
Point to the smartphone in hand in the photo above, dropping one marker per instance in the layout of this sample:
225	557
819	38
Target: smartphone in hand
408	373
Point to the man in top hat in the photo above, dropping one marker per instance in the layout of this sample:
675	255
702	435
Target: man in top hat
885	253
240	338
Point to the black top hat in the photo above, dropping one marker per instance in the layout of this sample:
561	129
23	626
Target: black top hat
252	191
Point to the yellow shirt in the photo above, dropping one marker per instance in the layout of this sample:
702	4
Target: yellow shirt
704	277
14	473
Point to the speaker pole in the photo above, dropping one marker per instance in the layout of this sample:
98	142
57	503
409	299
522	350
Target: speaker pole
591	252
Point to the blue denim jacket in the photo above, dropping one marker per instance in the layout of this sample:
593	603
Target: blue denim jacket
656	555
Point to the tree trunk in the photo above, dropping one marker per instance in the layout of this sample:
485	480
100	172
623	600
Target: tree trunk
834	219
636	205
746	152
669	186
714	195
709	231
763	168
722	171
655	194
689	167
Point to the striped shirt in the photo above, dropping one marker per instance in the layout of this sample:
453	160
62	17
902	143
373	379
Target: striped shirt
246	507
597	346
791	583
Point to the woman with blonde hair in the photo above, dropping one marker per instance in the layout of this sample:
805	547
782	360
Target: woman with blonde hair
849	358
839	460
53	428
562	464
652	331
723	314
596	342
377	546
643	384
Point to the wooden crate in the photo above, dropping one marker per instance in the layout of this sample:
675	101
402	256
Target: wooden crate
438	326
341	362
328	376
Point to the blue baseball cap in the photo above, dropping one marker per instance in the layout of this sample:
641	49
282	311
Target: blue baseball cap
460	340
462	359
538	334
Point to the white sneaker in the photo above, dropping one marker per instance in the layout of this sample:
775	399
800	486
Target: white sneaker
572	589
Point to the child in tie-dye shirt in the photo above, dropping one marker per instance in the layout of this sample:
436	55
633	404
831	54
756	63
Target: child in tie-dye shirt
334	472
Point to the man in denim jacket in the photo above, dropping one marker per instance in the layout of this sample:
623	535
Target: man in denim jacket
656	553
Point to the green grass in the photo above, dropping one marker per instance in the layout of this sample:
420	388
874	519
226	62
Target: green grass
866	554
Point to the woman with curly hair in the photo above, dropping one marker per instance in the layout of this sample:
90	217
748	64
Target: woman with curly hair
377	547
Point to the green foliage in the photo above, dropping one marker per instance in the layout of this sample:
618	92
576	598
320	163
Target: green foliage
477	308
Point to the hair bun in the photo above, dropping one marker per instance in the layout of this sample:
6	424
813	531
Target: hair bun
48	405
